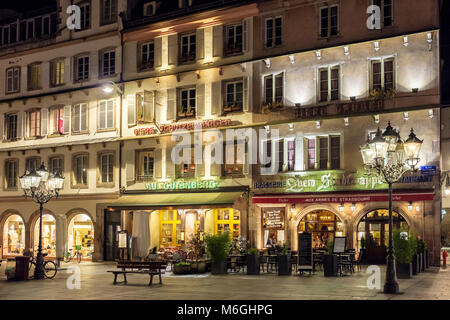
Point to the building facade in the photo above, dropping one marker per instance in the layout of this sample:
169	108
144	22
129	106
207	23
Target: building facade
305	81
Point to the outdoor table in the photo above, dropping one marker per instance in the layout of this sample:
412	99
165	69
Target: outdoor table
340	254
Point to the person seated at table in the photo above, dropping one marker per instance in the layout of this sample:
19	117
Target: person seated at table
271	242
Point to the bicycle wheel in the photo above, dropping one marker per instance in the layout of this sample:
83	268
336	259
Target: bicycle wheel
67	258
50	269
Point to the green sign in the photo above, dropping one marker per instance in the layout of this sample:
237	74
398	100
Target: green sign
182	185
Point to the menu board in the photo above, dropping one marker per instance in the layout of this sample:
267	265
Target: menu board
273	218
339	244
305	256
123	240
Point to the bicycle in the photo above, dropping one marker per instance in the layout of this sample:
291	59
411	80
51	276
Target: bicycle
77	255
50	269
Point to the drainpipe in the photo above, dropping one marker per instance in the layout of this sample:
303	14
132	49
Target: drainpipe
121	111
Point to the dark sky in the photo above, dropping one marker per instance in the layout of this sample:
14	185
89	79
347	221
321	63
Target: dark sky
26	5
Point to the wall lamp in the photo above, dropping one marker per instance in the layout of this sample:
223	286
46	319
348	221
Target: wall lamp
110	86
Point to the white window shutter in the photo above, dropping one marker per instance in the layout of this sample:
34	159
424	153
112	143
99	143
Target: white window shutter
158	164
246	95
200	43
66	119
173	49
130	167
110	114
299	154
216	99
131	109
21	125
218	41
2	126
44	121
102	115
170	166
149	106
246	32
158	52
200	91
83	117
171	104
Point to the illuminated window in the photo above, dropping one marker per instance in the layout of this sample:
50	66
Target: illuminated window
34	76
187	105
234	39
107	168
80	167
106	114
57	72
170	228
146	165
227	221
80	118
188	47
147	55
34	123
56	120
234	96
274	88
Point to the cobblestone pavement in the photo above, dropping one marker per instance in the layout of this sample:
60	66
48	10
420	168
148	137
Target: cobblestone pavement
96	283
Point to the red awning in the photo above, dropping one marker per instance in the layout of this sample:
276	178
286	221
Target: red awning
341	198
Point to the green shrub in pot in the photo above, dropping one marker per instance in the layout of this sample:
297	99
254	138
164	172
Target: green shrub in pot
218	247
253	261
404	251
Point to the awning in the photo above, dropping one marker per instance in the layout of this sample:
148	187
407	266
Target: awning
176	199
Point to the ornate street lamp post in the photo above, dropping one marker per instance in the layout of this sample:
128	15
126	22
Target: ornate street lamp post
41	187
390	158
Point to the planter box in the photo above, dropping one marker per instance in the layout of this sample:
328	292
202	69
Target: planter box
415	265
181	269
404	271
253	264
284	267
330	268
219	267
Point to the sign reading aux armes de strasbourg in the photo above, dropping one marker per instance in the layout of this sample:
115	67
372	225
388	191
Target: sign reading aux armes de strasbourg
169	128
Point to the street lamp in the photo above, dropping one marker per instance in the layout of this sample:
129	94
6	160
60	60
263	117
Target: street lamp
41	187
390	158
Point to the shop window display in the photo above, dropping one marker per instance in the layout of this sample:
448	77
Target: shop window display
324	226
81	235
227	221
48	235
13	236
170	228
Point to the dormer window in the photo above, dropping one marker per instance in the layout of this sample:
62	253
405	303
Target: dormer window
184	3
149	9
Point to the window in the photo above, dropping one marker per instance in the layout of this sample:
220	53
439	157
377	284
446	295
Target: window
82	68
9	33
145	107
186	170
188	47
146	165
273	89
80	166
108	63
234	95
56	120
46	26
170	228
311	154
11	127
280	156
329	84
267	145
56	164
106	114
383	74
335	152
329	21
237	167
79	118
85	16
234	38
387	12
34	123
327	149
32	164
274	32
147	55
187	103
149	9
57	72
290	155
11	167
13	80
107	168
323	152
34	76
109	11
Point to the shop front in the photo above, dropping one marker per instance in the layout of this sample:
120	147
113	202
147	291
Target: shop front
13	236
176	217
48	235
80	236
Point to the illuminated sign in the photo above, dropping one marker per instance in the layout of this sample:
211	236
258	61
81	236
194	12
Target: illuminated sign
169	128
182	185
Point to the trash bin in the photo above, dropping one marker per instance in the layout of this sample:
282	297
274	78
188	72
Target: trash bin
22	265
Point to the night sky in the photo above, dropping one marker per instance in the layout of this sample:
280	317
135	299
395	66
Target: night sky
24	4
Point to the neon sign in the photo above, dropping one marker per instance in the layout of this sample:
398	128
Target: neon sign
182	185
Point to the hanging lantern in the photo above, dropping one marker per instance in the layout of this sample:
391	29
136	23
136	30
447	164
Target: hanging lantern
412	148
391	136
379	148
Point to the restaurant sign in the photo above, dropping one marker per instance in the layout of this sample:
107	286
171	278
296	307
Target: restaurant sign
182	185
170	128
333	181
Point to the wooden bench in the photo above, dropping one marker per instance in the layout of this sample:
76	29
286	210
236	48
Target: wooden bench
152	268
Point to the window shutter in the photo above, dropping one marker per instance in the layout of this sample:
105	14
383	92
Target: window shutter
299	162
159	102
246	169
110	114
130	167
173	49
66	119
131	105
2	126
83	117
216	106
170	166
200	90
200	43
158	52
245	34
158	164
246	95
44	121
102	115
218	41
171	104
149	106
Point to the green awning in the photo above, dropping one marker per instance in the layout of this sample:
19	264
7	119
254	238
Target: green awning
176	199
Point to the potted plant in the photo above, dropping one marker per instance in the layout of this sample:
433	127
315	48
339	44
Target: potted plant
236	107
190	112
403	252
284	266
217	247
181	114
330	268
252	261
228	108
196	247
182	268
415	260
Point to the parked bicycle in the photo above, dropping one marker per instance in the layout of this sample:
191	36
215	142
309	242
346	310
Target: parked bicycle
49	267
76	256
